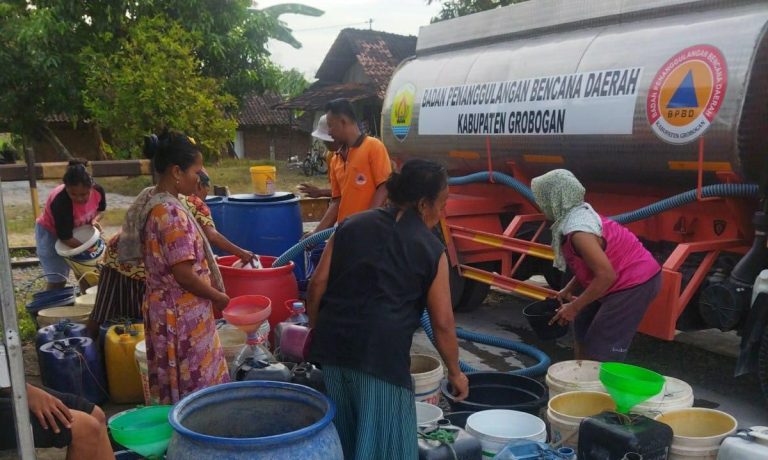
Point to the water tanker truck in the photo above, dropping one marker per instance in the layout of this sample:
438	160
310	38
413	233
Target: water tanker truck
659	107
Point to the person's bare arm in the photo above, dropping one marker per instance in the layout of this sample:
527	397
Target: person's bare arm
221	242
184	274
313	191
330	216
589	247
319	283
444	327
380	197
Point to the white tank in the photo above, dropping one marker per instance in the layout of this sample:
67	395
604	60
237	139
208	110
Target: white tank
754	448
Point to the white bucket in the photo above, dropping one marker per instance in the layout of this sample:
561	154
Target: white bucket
675	395
141	361
497	427
698	432
84	259
427	414
566	411
92	290
427	373
575	375
86	300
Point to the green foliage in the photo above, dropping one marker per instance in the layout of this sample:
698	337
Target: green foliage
154	81
291	83
455	8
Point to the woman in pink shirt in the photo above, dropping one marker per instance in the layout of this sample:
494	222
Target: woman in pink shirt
78	201
615	276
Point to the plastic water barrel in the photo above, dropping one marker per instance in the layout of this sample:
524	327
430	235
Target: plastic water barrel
273	420
73	366
58	331
498	427
566	411
574	375
698	432
427	373
216	205
279	284
119	353
264	225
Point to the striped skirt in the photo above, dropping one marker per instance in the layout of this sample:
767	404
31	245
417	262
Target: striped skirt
375	419
118	297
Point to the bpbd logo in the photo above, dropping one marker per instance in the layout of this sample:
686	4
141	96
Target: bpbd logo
402	111
686	94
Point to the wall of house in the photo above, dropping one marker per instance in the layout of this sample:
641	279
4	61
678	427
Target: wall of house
81	142
258	140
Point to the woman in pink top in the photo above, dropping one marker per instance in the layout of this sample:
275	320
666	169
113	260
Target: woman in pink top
78	201
617	278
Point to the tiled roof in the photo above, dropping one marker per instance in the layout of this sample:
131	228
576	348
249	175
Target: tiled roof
378	53
319	93
257	110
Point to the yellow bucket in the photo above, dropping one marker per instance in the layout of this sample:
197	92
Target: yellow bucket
263	178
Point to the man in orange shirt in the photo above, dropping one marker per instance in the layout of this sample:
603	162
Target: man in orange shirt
359	169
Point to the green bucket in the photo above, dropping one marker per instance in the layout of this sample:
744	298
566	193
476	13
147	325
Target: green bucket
145	430
629	385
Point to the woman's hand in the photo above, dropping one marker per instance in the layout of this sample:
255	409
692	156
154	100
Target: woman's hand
48	409
460	385
566	314
97	224
565	295
220	302
245	256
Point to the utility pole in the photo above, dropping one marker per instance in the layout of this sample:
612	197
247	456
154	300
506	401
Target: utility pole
370	24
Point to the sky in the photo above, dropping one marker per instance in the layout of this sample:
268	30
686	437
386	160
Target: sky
317	34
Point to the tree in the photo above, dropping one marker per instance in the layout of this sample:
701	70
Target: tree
154	81
455	8
291	83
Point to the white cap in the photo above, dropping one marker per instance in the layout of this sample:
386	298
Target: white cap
321	131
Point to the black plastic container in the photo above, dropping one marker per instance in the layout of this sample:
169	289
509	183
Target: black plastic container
539	314
609	436
499	390
464	447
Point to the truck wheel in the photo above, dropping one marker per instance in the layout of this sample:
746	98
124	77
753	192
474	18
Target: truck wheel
762	364
457	283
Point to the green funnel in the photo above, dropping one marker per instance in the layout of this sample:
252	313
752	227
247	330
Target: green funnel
629	385
145	431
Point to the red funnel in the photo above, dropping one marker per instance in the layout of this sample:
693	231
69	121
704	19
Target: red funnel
248	312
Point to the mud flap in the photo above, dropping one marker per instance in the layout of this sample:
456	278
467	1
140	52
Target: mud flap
751	334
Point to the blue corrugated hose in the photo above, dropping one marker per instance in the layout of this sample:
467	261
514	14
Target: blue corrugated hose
543	361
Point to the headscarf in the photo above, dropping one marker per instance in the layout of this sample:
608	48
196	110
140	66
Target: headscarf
560	196
130	248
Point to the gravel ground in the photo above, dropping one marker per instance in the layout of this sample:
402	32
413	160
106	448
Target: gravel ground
17	193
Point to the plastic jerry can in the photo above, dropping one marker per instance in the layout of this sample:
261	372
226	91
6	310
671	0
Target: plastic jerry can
122	373
611	436
464	445
749	445
61	330
73	366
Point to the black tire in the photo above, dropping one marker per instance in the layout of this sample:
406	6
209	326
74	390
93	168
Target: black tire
762	364
306	167
320	165
456	283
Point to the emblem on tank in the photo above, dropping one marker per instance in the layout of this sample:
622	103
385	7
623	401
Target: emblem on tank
686	94
402	110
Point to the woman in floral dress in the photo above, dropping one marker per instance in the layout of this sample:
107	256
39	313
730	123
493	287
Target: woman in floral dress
183	283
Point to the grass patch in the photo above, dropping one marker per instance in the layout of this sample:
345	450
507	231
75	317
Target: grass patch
128	186
236	175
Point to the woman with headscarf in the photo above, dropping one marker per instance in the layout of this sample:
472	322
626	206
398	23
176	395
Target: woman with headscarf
616	276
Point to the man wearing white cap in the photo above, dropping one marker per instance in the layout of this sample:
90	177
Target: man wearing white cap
332	146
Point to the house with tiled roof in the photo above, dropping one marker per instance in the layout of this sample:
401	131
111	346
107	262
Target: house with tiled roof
358	67
265	132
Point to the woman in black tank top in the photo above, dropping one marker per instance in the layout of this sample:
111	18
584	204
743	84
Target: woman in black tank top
376	275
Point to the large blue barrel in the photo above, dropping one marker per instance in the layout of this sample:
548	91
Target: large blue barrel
73	366
61	330
254	419
265	225
216	205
